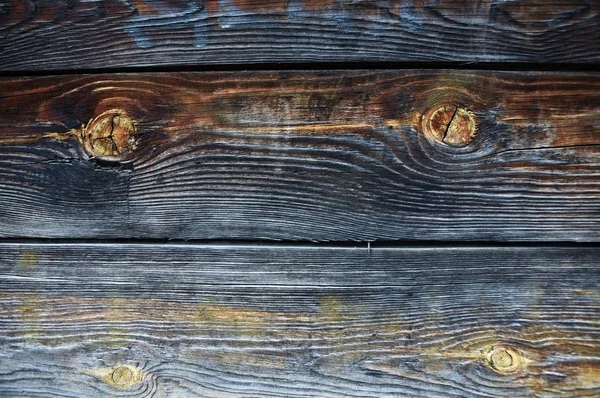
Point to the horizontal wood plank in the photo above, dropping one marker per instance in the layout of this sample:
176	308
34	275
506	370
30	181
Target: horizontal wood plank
50	35
215	321
321	156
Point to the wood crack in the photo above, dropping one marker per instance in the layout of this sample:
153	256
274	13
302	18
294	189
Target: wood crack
449	124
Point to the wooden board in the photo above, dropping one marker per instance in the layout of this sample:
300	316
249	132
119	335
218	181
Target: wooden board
321	156
199	320
50	35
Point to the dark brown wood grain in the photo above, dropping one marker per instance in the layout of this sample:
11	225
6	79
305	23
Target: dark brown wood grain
302	156
198	320
51	35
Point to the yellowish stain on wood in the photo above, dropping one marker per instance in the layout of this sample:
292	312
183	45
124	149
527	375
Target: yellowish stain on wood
331	309
498	353
30	314
120	376
28	261
251	324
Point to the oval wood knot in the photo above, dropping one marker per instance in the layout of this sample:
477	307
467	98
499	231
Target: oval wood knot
110	135
124	376
121	375
505	360
449	124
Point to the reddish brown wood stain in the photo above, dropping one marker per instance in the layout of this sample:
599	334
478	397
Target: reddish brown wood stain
308	104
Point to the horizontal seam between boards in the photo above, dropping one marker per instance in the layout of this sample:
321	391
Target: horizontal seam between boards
284	67
265	244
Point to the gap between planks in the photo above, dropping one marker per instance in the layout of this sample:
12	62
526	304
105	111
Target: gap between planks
282	244
310	66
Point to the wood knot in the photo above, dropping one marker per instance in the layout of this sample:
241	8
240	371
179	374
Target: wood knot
122	375
505	360
449	124
110	135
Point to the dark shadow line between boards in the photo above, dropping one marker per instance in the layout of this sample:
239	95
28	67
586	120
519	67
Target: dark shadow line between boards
271	243
315	66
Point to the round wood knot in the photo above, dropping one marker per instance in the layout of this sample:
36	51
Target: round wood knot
110	135
451	125
505	360
122	376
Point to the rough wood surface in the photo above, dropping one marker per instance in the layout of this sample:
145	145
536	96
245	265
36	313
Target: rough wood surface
50	35
340	155
196	320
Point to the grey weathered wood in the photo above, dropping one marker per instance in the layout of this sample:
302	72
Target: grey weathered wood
323	155
50	35
217	321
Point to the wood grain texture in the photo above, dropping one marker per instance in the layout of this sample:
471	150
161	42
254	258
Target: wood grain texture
301	156
51	35
216	321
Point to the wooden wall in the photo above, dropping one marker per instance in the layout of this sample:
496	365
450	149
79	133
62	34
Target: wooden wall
249	198
78	34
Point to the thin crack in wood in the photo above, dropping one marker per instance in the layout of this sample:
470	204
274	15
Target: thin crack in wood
448	126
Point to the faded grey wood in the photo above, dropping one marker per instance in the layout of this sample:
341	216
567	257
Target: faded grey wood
171	320
50	35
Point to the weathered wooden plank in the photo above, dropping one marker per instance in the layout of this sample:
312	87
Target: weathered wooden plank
50	35
197	320
302	156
